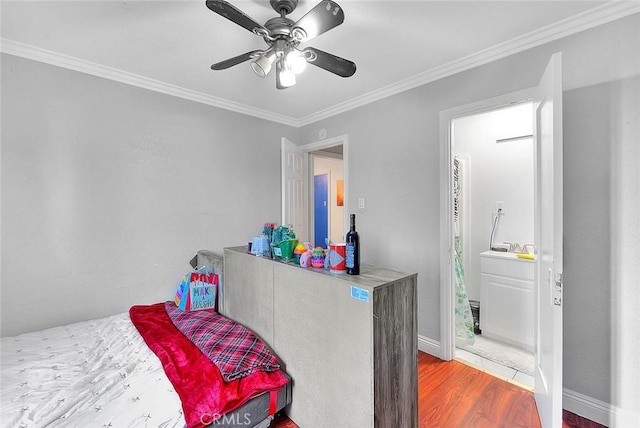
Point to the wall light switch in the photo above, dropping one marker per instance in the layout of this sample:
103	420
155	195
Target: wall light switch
360	203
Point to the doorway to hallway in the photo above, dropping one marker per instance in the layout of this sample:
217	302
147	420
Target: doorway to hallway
327	195
299	165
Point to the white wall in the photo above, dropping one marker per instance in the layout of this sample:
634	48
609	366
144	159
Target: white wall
332	167
108	190
496	171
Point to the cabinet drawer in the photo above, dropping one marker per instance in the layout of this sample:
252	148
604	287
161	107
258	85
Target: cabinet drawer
513	268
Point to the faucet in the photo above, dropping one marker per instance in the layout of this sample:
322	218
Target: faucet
514	247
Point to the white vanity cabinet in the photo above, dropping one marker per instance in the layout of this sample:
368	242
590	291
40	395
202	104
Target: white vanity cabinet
506	298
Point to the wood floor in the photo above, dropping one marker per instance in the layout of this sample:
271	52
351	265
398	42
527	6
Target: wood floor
454	395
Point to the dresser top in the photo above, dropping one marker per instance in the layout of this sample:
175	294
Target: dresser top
371	276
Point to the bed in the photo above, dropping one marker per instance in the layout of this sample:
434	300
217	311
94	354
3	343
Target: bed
136	370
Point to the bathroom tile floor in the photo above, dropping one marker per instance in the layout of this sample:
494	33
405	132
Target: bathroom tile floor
503	369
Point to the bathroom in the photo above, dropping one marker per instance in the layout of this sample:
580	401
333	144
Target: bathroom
493	183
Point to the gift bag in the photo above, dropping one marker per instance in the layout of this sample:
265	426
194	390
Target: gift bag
197	290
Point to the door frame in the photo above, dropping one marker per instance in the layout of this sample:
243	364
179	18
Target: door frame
307	150
447	312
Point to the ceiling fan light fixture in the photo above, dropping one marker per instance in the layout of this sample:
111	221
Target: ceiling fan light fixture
283	36
297	61
262	65
286	77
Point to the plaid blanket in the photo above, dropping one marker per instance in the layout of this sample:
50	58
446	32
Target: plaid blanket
234	349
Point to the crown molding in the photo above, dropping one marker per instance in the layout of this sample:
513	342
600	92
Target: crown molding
588	19
35	53
591	18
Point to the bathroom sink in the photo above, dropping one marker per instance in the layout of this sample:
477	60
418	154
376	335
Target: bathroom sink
505	255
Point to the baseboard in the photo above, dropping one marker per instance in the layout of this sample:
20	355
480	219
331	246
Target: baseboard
587	407
430	346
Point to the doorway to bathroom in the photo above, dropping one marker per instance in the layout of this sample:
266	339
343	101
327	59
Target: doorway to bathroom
493	228
547	262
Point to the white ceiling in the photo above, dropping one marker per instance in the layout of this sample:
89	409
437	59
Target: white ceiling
170	45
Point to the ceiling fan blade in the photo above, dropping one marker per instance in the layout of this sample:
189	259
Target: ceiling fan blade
336	65
234	61
234	14
322	18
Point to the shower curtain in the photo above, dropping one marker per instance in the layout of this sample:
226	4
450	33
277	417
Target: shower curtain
463	315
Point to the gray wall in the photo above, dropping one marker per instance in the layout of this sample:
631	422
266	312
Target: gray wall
625	245
394	164
587	270
597	121
108	190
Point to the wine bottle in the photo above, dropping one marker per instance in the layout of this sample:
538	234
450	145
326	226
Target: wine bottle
353	248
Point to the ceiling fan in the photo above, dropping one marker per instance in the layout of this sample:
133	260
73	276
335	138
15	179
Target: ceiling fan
283	36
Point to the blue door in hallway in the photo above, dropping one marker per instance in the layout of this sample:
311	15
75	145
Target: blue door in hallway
320	209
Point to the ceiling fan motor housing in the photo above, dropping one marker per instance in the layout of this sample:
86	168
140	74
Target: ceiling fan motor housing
279	26
286	6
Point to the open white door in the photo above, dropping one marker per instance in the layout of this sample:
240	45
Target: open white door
548	239
294	208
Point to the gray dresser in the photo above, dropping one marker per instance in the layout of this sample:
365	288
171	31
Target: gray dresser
348	342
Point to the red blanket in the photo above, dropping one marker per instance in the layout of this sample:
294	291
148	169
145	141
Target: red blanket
204	394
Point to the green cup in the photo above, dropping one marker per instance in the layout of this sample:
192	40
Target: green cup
286	249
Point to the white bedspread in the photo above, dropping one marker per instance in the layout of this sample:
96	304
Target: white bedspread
98	373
